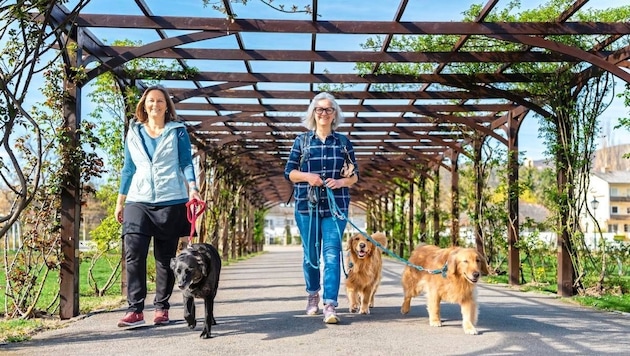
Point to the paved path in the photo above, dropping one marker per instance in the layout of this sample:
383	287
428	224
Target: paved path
260	306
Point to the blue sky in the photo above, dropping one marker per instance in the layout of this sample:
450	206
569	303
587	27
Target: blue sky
417	10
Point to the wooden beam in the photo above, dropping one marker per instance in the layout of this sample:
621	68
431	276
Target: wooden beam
350	27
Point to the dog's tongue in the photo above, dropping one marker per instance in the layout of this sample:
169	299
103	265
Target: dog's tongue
361	253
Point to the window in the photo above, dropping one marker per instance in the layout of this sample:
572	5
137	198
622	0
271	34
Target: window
628	210
614	210
614	228
626	228
614	192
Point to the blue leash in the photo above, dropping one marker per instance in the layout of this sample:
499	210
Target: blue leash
337	213
311	208
312	205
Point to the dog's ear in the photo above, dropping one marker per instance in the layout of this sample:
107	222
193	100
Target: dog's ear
380	238
173	263
349	243
201	263
452	262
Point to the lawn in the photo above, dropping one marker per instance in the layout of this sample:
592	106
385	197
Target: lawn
616	296
87	296
18	330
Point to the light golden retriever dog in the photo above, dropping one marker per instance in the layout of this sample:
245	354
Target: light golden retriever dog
364	271
464	269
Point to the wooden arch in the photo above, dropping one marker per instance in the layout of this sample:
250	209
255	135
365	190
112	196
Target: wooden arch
252	113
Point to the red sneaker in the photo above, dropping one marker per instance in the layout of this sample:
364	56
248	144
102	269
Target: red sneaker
161	317
131	319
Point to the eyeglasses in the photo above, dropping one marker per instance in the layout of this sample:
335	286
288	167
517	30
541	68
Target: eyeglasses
325	110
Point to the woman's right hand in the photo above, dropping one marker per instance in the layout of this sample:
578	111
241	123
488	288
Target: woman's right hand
118	212
120	207
314	180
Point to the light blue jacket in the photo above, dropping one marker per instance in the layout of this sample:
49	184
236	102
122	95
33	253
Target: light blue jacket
160	179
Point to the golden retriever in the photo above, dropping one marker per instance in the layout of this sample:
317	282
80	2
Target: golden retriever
464	268
364	273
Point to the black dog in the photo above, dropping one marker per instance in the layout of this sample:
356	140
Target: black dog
197	270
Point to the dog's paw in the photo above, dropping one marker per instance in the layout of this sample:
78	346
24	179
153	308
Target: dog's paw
406	305
205	334
192	322
353	308
469	329
437	323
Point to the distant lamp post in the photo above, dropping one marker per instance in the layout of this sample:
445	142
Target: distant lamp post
594	205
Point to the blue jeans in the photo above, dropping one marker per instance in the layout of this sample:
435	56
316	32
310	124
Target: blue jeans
321	236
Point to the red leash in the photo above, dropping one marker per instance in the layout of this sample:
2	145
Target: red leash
194	208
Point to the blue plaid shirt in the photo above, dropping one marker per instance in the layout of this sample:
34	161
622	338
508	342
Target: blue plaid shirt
326	159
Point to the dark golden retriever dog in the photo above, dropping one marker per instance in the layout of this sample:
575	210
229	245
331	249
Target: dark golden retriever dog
197	269
464	269
364	272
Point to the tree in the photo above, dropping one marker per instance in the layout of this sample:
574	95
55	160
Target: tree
32	145
493	217
624	122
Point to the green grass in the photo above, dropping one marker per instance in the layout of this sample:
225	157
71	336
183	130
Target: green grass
617	301
606	302
15	330
87	296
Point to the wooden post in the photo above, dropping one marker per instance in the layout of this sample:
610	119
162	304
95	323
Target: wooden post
454	199
70	205
479	238
412	182
514	262
423	208
436	206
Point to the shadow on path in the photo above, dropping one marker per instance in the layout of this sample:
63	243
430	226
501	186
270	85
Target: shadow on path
260	311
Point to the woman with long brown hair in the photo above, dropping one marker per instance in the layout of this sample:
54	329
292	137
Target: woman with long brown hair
157	181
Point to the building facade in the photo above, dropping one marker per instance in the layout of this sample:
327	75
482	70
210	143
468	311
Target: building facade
280	222
609	201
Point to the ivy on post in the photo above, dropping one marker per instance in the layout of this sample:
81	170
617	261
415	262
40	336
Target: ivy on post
514	261
70	201
454	198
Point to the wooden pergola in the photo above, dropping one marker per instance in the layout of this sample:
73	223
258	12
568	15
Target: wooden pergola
401	125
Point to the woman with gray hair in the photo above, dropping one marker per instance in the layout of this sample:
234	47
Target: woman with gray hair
316	163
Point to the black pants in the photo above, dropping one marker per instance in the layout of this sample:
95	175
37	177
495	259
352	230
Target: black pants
166	225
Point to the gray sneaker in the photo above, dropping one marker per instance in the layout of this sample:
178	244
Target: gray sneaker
330	314
312	307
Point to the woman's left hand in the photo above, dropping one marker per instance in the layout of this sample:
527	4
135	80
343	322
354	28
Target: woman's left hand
334	183
194	195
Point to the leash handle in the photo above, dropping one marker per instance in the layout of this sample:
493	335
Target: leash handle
194	208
